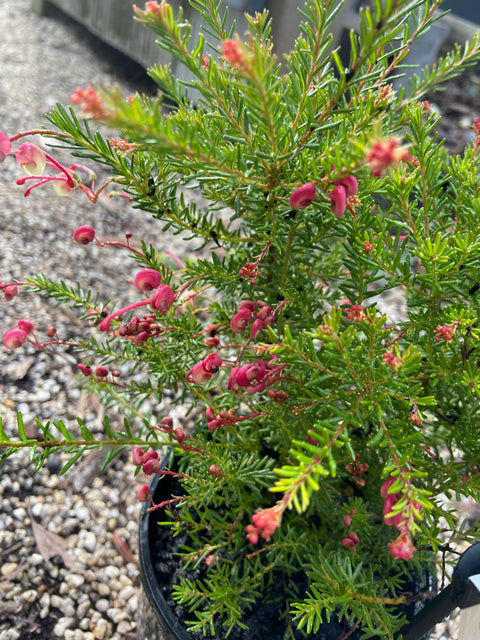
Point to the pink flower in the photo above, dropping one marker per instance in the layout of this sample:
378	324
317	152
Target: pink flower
143	493
101	372
350	541
84	235
91	101
338	199
239	321
5	146
303	196
87	371
234	54
30	158
265	523
137	455
10	291
147	279
402	547
14	338
163	298
204	370
26	325
385	153
349	183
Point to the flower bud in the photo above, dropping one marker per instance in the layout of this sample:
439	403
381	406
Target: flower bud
143	493
10	292
5	146
163	298
26	326
338	199
101	372
150	467
14	338
303	197
240	319
137	456
84	235
147	279
87	371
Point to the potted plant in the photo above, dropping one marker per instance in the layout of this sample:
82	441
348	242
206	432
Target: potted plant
326	430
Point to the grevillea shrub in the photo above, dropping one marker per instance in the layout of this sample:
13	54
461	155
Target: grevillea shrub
327	433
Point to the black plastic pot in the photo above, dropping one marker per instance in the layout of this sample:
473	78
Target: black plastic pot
157	619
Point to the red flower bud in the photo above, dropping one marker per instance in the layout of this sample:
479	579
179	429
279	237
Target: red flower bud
303	197
143	493
14	338
87	371
150	467
10	292
101	372
137	456
84	235
26	326
338	198
163	298
147	279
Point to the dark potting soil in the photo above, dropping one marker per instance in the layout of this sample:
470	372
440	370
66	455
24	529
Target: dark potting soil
263	621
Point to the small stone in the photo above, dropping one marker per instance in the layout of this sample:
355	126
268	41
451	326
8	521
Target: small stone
103	589
117	615
75	580
112	572
83	608
101	629
65	605
45	599
8	568
19	514
102	605
30	595
89	541
84	624
132	604
123	628
62	625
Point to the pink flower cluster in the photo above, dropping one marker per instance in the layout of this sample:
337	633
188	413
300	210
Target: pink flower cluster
149	460
161	301
385	153
91	102
264	317
445	332
350	541
402	547
255	376
264	523
222	419
357	470
341	196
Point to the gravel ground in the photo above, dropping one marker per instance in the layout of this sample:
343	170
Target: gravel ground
81	585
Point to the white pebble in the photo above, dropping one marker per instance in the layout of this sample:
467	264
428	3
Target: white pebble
30	595
62	625
65	605
90	541
75	580
101	629
102	605
117	615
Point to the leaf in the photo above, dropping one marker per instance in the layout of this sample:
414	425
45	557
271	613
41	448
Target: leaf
50	545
